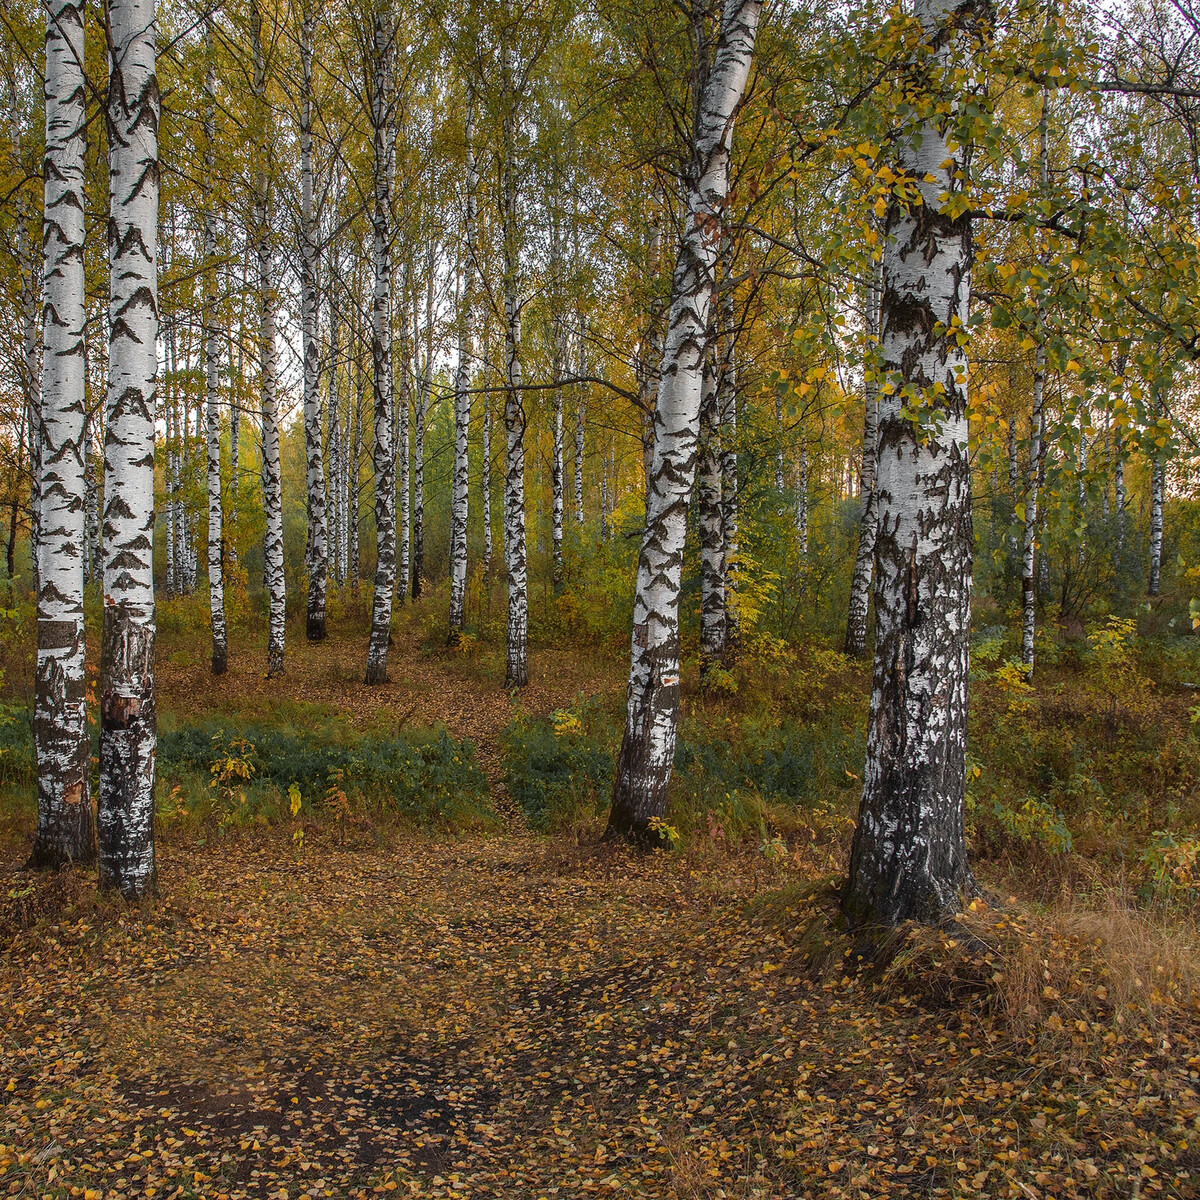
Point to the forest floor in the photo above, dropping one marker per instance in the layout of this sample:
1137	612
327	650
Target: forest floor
513	1016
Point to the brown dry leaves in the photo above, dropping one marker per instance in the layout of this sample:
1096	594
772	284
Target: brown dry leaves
490	1018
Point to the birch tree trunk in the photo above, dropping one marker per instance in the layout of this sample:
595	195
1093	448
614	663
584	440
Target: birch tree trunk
1037	428
860	586
1158	479
318	528
712	529
212	366
580	422
272	483
558	468
908	858
407	371
487	482
516	672
64	812
381	359
1029	533
462	407
727	410
648	746
333	511
802	503
420	416
352	480
128	733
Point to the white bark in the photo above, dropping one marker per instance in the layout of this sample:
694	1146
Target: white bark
272	483
1036	431
64	821
420	419
860	585
516	673
318	529
127	705
908	858
580	422
712	528
727	392
212	366
407	371
381	356
802	503
333	440
462	403
1158	478
648	747
558	469
486	484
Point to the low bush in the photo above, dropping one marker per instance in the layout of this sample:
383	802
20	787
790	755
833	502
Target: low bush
559	768
428	778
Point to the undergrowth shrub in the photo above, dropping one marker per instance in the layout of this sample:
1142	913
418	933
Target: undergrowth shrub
430	779
558	768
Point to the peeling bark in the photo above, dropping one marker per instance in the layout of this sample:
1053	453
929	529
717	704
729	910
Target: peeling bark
64	812
648	746
460	498
860	586
128	734
381	358
908	858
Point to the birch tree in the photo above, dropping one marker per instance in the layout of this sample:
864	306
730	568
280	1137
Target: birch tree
860	584
648	745
908	858
462	399
318	529
128	736
712	528
272	481
64	821
516	670
383	31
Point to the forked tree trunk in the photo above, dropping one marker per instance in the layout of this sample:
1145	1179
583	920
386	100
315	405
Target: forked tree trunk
64	812
318	527
712	529
381	359
908	858
462	410
648	746
860	586
128	734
